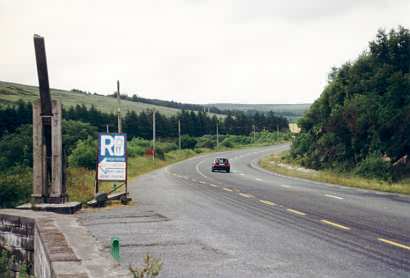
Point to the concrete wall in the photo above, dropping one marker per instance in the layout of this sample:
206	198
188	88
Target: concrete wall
17	237
56	245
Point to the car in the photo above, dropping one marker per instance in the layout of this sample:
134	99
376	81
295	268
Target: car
221	164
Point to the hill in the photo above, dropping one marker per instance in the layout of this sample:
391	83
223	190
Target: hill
12	92
291	111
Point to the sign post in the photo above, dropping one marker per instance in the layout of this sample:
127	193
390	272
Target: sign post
112	158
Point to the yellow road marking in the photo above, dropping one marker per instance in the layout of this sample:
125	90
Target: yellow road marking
267	202
335	224
227	189
296	212
246	195
394	243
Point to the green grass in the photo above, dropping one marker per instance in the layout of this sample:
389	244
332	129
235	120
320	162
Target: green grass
80	181
272	162
12	92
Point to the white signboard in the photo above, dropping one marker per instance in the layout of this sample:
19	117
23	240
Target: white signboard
112	157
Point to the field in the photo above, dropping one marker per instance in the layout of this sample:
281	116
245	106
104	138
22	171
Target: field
296	109
12	92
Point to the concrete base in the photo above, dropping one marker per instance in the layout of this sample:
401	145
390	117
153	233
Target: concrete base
66	208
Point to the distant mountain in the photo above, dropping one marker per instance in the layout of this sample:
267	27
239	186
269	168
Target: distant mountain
291	111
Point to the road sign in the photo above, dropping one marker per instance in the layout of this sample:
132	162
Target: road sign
112	157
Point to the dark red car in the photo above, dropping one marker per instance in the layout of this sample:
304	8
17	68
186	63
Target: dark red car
221	164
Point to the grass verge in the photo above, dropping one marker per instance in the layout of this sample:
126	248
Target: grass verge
276	163
80	181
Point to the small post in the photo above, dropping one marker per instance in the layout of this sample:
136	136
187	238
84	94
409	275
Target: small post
115	248
179	134
119	107
153	134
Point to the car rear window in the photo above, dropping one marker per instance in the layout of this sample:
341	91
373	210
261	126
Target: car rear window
221	160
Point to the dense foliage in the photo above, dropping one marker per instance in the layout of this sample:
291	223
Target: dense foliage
140	125
362	118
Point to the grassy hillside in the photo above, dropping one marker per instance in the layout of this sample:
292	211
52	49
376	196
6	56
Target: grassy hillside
297	109
12	92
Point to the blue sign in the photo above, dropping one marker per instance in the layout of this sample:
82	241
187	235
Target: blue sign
112	156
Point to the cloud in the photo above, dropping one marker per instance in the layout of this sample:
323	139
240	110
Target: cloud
192	50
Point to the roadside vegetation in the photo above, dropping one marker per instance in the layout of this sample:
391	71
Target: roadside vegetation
358	132
80	131
281	164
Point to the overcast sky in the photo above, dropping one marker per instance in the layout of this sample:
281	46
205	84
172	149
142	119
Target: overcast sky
240	51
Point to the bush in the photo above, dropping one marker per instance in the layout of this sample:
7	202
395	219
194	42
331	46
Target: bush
206	141
15	186
16	149
375	167
84	154
166	146
74	131
188	142
137	147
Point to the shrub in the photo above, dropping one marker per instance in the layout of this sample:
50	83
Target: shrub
167	147
84	154
206	141
188	142
375	167
15	186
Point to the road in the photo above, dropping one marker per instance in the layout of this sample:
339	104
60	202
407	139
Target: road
253	223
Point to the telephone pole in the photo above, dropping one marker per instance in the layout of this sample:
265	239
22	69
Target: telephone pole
254	133
217	134
153	134
179	134
119	107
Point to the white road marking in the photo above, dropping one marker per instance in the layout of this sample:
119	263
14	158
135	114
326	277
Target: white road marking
242	174
246	195
199	171
258	179
285	186
227	189
334	197
213	185
202	182
296	212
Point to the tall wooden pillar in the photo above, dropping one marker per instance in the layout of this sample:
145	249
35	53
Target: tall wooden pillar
44	189
39	168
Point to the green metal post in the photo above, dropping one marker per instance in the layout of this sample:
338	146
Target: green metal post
115	248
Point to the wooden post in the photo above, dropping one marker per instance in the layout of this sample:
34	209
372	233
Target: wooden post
38	156
57	190
119	108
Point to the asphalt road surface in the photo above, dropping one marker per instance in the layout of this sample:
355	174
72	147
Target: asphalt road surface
253	223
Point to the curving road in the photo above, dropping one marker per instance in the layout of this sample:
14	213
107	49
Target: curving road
253	223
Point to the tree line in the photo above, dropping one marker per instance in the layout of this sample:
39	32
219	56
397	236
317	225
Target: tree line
140	124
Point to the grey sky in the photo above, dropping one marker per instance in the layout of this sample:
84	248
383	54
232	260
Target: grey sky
198	51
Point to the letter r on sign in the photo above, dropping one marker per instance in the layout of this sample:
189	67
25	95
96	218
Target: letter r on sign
107	144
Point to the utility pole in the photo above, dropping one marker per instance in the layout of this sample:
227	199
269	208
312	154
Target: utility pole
217	134
119	107
179	134
254	133
153	134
